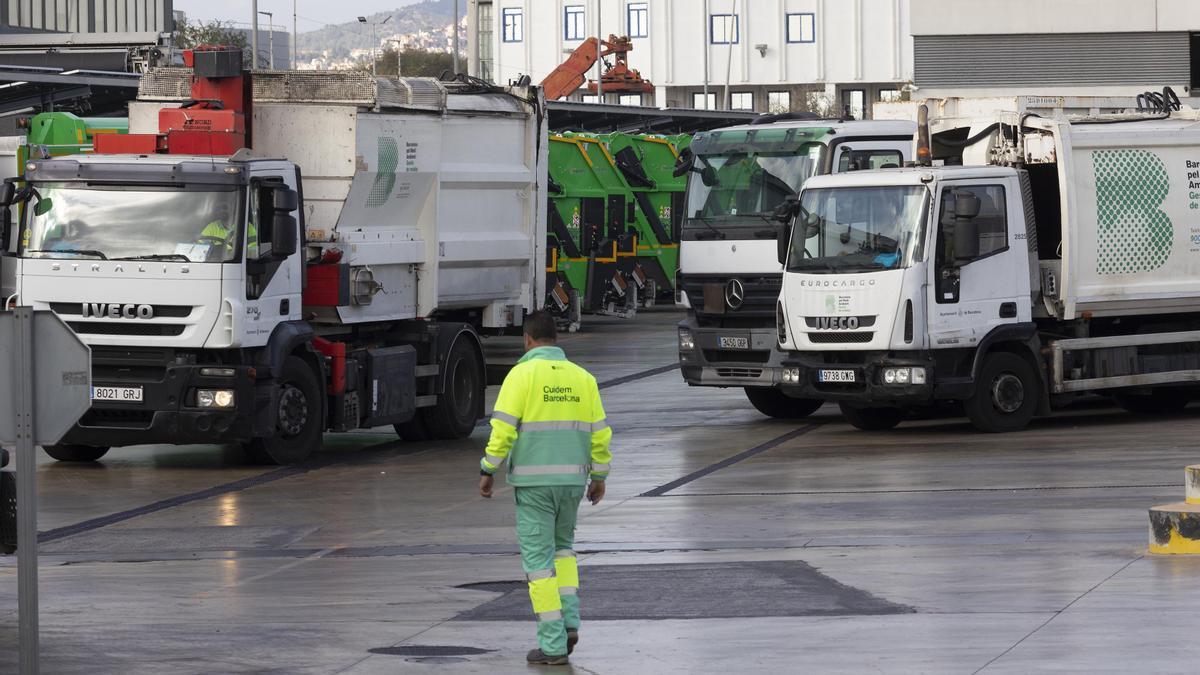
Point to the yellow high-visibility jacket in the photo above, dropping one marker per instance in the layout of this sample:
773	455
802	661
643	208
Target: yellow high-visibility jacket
549	424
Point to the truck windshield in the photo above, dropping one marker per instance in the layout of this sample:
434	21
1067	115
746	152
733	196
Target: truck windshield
858	229
73	220
742	185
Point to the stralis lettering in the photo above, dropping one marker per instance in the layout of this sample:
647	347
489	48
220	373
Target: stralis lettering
558	395
836	283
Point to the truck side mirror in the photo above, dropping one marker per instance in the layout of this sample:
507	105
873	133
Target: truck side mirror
284	199
786	210
687	159
284	235
708	176
8	194
966	241
782	240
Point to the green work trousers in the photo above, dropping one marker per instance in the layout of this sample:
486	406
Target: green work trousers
546	530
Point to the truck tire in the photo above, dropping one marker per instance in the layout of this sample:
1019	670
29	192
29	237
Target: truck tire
298	426
774	403
1157	402
461	401
75	453
872	419
1006	394
413	430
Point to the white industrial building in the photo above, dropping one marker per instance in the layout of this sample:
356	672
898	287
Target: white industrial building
1054	47
768	54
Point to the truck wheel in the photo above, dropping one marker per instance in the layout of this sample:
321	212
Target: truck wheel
298	426
872	419
1157	402
774	403
75	453
459	406
1006	394
413	430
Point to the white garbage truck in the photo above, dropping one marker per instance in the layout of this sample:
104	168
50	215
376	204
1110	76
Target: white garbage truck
1039	260
270	256
729	277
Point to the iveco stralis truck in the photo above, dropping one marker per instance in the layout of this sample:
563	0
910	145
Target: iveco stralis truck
333	269
729	277
1063	258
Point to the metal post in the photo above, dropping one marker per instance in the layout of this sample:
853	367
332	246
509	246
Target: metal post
374	46
270	38
254	35
454	60
27	545
599	58
737	20
296	36
704	40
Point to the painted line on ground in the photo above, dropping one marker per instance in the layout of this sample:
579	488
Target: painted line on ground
730	461
638	376
920	490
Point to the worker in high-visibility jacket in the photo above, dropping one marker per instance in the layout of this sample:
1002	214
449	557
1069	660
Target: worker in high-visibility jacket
550	425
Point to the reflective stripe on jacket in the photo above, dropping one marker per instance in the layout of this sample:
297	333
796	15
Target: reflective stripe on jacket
549	423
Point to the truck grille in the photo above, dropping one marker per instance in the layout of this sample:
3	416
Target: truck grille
739	372
160	311
758	305
127	328
736	356
117	419
840	338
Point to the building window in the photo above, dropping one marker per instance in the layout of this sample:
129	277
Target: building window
630	99
514	24
638	17
801	28
486	35
573	22
889	95
723	29
779	101
702	101
855	101
591	98
741	100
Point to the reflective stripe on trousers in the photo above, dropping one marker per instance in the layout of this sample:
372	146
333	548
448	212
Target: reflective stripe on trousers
543	594
566	570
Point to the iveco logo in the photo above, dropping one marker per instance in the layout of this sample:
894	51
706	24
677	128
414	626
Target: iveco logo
836	322
101	310
735	293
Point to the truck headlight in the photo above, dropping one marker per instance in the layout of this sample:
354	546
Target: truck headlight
790	376
218	372
214	398
905	375
686	342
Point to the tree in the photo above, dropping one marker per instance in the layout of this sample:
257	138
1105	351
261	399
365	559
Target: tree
189	35
192	35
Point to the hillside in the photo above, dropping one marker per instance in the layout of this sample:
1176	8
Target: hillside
339	39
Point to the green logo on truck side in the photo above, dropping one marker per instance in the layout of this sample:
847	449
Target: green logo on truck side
385	174
1135	235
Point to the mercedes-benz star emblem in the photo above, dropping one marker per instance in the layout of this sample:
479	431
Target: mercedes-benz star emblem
735	293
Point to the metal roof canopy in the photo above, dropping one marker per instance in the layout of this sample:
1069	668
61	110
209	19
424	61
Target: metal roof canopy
607	117
47	89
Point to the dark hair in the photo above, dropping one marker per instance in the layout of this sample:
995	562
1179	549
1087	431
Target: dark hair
539	326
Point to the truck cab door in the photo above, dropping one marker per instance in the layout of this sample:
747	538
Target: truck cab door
273	285
979	273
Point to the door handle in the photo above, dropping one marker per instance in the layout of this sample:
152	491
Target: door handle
1008	310
285	307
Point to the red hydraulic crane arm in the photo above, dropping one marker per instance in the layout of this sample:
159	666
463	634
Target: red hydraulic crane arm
572	73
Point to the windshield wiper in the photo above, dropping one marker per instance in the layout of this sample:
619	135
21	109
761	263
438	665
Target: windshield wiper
766	234
179	257
75	251
716	233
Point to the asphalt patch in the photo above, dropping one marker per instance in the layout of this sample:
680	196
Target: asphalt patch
694	591
432	651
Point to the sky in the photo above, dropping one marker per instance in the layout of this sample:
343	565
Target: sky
312	14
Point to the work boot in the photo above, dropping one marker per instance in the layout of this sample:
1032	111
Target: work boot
537	657
572	639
